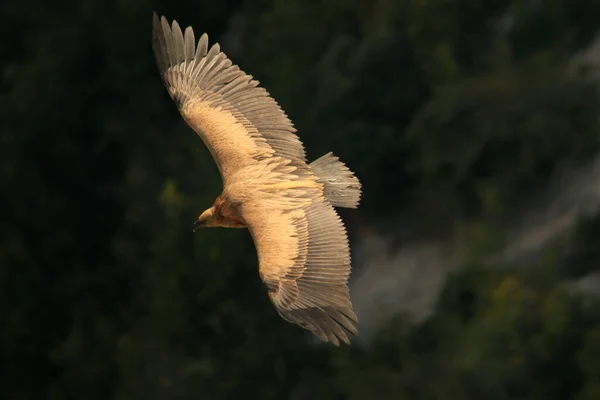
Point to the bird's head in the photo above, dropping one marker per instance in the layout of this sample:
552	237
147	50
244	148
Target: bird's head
207	219
214	218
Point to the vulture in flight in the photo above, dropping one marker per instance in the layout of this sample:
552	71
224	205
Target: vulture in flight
269	187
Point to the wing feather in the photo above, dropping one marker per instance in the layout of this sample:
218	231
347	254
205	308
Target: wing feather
304	260
237	120
190	45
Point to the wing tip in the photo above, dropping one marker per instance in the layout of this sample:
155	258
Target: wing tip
330	324
341	333
343	325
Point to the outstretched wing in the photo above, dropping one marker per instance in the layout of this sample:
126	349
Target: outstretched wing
304	261
237	120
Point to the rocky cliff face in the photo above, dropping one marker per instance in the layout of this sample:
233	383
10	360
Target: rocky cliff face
407	278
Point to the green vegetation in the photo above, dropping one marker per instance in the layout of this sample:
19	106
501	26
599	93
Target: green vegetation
448	108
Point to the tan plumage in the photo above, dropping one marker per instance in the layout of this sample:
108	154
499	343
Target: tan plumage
268	187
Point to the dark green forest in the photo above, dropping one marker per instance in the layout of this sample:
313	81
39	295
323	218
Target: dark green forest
451	111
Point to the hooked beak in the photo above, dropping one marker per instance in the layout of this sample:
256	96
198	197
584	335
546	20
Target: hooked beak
198	224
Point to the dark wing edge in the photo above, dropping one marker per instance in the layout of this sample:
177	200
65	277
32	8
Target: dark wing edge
192	72
314	293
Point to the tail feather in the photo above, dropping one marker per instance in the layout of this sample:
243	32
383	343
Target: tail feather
341	187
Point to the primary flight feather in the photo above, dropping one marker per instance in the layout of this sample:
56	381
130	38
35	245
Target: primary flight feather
268	187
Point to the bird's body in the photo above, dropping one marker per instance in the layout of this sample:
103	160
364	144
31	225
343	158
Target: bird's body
268	186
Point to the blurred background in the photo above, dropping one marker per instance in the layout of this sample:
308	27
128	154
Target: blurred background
473	126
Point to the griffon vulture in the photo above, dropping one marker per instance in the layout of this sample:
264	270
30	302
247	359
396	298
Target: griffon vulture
268	186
